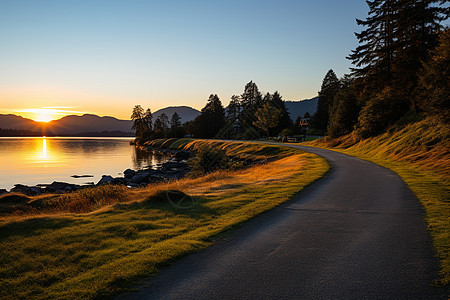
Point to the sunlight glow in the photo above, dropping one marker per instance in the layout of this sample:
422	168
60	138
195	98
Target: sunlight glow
43	114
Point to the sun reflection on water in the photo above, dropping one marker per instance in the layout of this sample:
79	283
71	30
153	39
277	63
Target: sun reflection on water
44	148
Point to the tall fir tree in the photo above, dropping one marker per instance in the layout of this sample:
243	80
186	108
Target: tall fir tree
284	120
251	100
329	88
211	119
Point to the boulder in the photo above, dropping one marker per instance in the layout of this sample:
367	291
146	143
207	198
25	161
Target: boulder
128	173
141	177
105	179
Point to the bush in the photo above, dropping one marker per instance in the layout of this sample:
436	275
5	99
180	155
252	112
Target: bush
208	159
381	112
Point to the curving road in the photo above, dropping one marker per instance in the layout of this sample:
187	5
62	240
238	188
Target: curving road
356	233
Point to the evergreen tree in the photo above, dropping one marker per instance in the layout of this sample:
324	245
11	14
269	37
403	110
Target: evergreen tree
161	126
434	81
285	120
251	100
329	88
211	119
398	35
176	130
234	109
345	110
175	121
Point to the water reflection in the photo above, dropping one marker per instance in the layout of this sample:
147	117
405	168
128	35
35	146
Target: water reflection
44	149
37	160
143	159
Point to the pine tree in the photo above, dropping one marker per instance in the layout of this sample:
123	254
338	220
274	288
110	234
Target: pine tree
211	119
251	100
175	121
434	80
234	109
345	110
285	120
330	86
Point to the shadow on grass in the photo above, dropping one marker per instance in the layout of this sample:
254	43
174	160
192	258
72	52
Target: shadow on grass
176	203
32	227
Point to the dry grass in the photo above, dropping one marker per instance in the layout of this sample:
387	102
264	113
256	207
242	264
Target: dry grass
63	255
420	154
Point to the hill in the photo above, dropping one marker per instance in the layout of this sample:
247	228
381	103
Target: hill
87	124
299	108
185	112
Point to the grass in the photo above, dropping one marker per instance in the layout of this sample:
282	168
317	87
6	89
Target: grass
120	236
420	154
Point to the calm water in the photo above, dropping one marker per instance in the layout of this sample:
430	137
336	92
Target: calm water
31	161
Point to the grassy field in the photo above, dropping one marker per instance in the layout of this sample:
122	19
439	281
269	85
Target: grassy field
97	242
420	154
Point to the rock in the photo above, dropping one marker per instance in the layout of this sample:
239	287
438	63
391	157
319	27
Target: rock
3	191
182	155
56	185
141	177
128	173
105	179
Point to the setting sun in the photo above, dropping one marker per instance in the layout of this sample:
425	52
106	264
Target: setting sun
42	114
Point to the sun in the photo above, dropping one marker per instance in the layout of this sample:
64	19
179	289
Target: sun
44	117
42	114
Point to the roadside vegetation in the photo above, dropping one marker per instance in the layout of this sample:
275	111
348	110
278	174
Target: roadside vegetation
419	153
98	242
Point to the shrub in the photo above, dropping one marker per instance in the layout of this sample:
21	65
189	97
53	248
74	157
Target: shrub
208	159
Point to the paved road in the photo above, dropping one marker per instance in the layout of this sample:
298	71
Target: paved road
356	233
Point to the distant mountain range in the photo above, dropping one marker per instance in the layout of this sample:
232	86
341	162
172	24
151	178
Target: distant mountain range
88	124
93	125
299	108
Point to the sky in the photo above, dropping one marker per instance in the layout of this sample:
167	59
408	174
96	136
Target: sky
64	57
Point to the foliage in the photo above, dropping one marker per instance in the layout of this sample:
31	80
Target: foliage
380	113
267	117
208	159
345	110
435	80
330	86
397	37
142	122
211	119
284	120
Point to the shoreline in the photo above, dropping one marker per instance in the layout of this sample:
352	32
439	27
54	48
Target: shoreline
173	169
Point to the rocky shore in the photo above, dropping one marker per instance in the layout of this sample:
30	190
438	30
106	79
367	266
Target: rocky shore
176	168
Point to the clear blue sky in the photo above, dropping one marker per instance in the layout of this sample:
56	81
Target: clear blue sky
106	56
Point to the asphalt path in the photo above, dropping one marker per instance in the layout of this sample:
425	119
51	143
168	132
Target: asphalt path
358	232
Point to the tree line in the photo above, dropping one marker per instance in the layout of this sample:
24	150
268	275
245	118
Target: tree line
250	115
400	73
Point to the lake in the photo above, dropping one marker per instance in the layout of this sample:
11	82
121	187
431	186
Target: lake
42	160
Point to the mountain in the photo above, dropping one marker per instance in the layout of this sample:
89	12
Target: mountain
299	108
18	123
185	112
88	124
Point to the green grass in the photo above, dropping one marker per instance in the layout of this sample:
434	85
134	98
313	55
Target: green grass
54	253
420	154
